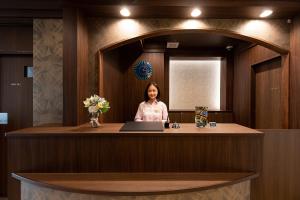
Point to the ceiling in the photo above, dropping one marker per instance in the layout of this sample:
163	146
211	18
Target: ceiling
194	41
152	8
251	12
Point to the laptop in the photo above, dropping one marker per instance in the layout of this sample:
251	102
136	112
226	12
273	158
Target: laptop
142	126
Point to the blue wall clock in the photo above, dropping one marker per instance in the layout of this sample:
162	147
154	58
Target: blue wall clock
143	70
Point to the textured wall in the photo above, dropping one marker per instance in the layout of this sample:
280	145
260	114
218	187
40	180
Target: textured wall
47	71
104	32
240	191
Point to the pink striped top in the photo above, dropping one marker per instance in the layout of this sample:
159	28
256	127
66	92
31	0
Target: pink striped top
156	111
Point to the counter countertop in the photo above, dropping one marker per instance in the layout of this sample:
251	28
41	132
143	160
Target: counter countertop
113	129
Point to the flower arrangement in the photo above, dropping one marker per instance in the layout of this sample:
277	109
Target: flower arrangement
96	105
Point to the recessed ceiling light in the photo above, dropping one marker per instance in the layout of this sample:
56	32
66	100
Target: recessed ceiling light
266	13
172	45
125	12
196	12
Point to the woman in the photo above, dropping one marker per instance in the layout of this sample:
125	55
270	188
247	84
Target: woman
152	109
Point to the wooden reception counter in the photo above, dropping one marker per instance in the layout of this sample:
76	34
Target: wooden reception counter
128	186
226	148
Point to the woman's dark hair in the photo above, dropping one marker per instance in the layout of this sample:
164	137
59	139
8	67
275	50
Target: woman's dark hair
146	97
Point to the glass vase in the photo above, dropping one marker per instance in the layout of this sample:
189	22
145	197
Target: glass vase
94	120
201	115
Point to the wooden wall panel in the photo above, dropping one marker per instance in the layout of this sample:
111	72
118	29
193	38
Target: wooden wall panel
15	53
279	177
113	87
82	68
75	72
229	80
69	68
134	88
16	91
227	66
268	109
243	75
134	153
295	74
241	91
16	39
223	80
3	168
16	100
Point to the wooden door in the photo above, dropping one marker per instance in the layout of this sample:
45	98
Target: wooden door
268	113
15	91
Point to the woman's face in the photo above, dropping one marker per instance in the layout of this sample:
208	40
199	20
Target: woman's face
152	92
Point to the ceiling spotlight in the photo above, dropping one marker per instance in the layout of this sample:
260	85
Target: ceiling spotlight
266	13
125	12
196	12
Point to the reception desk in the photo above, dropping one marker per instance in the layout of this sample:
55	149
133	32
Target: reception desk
226	148
135	186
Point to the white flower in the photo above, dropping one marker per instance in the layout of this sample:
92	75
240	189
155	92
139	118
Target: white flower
96	104
93	109
87	103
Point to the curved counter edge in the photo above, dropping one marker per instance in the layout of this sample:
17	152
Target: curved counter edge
168	183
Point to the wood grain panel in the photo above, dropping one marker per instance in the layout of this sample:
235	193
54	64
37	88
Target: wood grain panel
85	149
75	69
243	83
134	153
16	38
285	90
229	80
279	178
69	67
268	112
83	91
3	168
241	91
223	79
134	88
16	91
294	74
114	86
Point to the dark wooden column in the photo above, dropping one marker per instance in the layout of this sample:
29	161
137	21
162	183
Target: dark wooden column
75	72
295	74
227	66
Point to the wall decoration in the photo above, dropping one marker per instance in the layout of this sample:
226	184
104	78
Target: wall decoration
143	70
